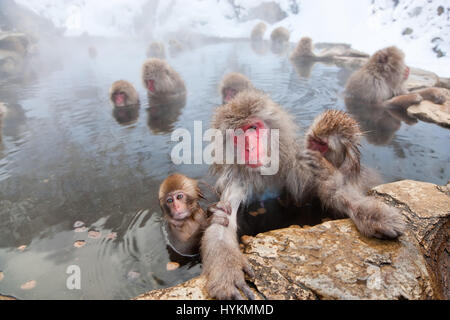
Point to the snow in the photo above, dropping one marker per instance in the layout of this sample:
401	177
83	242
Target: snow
367	25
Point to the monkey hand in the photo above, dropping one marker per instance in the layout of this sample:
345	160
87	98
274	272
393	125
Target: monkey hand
224	271
376	219
218	213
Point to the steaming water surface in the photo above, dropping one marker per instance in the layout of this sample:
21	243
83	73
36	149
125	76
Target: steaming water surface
65	158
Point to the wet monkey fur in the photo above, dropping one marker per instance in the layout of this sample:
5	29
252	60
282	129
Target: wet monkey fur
302	172
160	79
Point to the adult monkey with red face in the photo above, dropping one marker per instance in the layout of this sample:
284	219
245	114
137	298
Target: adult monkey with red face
301	172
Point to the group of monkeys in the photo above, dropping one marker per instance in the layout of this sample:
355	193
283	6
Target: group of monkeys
325	163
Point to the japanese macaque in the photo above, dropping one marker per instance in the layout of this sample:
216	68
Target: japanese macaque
280	34
382	80
126	115
258	32
301	173
231	84
337	137
305	51
160	79
156	50
186	221
123	94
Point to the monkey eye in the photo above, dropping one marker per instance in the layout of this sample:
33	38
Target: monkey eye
169	200
180	196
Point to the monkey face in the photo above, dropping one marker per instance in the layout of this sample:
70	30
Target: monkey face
406	73
177	203
150	85
228	94
119	99
249	142
318	144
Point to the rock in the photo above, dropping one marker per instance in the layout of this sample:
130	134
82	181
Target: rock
18	18
10	62
426	207
419	79
270	12
430	112
444	83
342	51
15	42
334	261
407	31
193	290
350	62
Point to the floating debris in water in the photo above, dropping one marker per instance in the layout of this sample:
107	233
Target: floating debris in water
133	275
28	285
2	275
172	266
79	243
111	236
22	248
262	210
81	229
78	224
94	234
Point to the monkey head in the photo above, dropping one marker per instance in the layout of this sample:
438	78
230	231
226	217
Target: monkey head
333	133
159	77
178	196
304	49
122	94
390	64
233	83
246	123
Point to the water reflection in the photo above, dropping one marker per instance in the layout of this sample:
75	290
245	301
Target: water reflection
164	112
279	48
378	123
126	115
261	48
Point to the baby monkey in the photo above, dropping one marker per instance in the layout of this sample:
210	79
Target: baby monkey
179	198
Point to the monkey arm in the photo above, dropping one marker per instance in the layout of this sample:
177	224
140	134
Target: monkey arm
223	263
434	95
403	101
372	217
